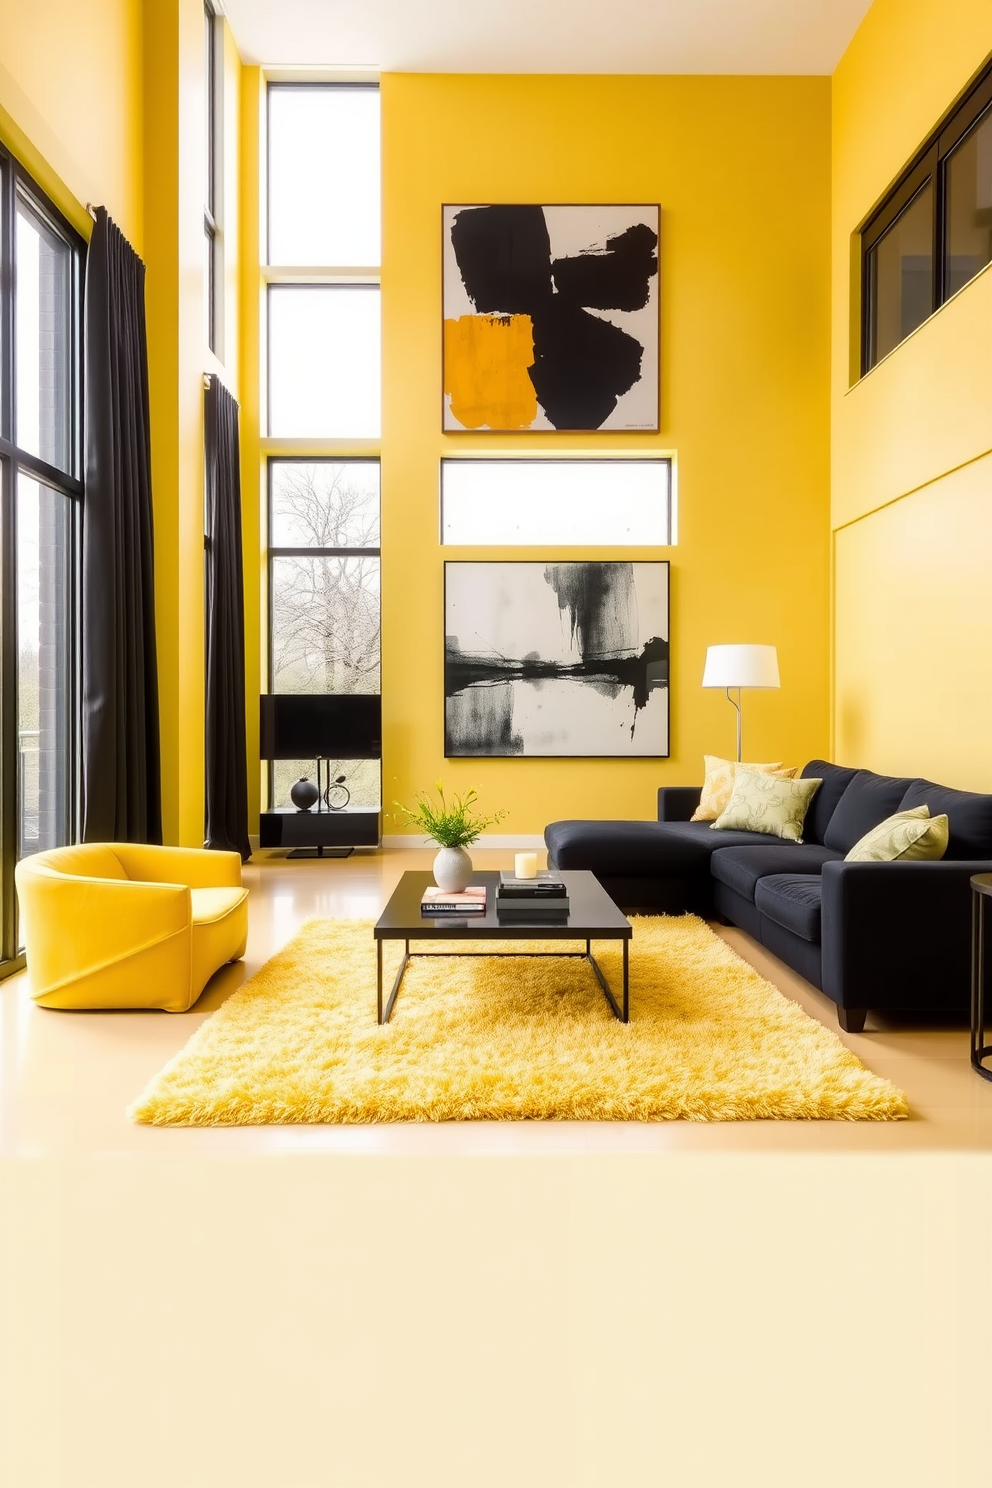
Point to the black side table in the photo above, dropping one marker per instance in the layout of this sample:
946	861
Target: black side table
981	893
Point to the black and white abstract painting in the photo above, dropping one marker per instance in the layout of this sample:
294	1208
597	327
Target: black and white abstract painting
567	659
550	317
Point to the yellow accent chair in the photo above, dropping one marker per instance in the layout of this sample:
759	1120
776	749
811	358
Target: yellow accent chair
127	925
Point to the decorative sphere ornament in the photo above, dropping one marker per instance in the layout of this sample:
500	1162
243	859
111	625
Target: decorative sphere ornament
304	794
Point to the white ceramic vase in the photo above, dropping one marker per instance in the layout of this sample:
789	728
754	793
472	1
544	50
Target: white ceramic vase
452	869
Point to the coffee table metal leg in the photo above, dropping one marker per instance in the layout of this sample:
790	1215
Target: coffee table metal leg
626	982
622	1014
386	1014
378	981
979	1050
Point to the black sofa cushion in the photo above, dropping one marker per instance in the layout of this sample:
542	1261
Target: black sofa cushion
836	779
792	900
741	868
969	817
629	848
868	800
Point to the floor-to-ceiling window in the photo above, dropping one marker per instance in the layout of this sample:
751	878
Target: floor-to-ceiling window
40	491
323	402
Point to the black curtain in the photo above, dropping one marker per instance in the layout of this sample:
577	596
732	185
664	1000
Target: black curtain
227	746
121	765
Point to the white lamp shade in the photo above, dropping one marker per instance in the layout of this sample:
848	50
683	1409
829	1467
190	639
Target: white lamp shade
741	666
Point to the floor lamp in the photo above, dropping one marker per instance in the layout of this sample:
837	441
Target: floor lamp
740	666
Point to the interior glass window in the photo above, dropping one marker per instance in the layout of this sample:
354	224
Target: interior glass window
324	174
968	187
324	361
900	268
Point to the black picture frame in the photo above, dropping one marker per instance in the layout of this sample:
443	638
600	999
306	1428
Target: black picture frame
597	687
563	269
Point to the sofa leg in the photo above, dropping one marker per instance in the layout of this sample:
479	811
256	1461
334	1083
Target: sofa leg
852	1020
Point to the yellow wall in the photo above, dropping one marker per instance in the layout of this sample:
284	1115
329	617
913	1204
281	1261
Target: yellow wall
175	154
174	198
71	103
741	169
910	508
104	103
252	526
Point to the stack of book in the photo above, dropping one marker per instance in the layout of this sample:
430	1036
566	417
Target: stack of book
543	897
443	902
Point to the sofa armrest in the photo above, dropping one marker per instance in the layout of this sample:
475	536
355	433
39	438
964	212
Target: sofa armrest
73	925
678	802
193	867
897	934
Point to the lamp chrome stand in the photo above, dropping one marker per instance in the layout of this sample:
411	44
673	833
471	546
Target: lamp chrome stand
737	704
735	667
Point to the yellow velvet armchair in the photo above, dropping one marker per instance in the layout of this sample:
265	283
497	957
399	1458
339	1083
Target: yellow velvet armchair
123	925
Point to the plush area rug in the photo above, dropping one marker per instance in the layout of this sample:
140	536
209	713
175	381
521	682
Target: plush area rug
510	1039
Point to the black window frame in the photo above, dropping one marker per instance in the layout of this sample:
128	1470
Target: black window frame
928	166
275	552
17	184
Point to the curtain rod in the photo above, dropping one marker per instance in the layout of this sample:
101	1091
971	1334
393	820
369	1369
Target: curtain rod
91	209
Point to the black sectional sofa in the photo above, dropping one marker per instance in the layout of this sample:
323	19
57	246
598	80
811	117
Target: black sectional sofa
870	935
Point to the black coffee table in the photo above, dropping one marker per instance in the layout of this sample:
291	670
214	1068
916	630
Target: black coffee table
592	916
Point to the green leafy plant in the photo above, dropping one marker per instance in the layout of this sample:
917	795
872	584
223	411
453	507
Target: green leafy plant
452	823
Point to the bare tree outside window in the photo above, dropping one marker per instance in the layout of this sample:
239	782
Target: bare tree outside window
324	594
324	599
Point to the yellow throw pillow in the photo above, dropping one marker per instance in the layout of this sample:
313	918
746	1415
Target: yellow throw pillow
908	837
767	803
719	783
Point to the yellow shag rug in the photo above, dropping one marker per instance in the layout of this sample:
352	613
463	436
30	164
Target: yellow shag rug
512	1039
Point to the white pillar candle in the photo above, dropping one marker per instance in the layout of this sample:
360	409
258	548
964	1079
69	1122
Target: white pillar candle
525	865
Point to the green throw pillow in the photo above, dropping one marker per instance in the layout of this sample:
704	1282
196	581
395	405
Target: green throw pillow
766	803
908	837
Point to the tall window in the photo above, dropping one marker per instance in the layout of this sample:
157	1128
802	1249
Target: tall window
212	275
323	395
932	232
40	490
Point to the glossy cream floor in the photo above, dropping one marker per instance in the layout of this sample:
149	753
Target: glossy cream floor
66	1079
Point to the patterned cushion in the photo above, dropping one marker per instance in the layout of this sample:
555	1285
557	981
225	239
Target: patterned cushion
908	837
719	783
767	803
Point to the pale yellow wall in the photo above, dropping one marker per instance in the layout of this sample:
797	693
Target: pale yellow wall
71	103
175	155
923	564
104	103
912	544
252	527
740	167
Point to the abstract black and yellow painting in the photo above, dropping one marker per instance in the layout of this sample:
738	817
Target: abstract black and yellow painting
550	317
561	659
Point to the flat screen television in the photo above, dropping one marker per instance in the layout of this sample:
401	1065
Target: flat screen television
304	725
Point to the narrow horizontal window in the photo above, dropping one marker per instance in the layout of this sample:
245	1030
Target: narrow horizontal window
596	503
324	174
361	787
324	361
